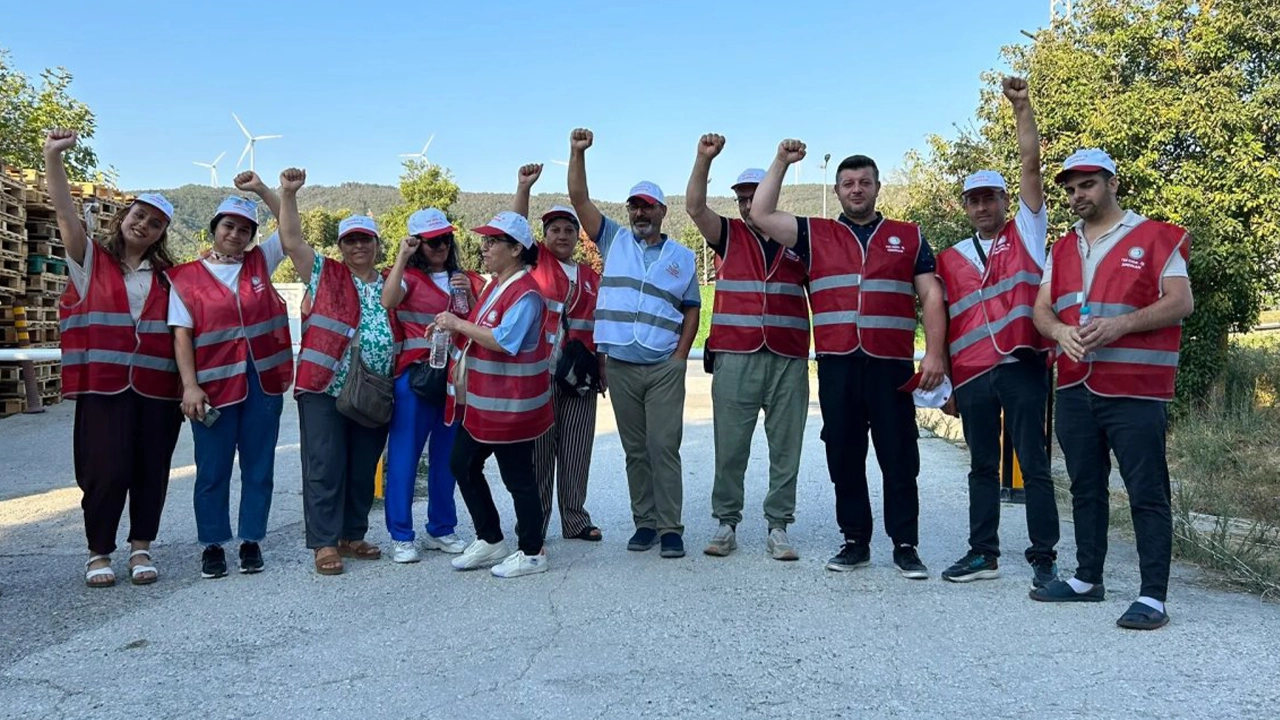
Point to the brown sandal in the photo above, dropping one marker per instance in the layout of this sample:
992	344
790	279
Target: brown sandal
359	549
328	561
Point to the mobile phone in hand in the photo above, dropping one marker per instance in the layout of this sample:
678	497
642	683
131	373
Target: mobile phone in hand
211	416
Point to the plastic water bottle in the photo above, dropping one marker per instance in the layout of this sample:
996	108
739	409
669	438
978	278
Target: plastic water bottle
1086	315
440	340
459	305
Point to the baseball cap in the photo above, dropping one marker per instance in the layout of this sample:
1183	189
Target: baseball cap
1086	160
560	211
648	192
357	223
429	223
157	201
508	223
750	176
934	398
236	205
985	179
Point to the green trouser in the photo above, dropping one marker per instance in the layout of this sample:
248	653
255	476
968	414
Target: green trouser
743	384
648	403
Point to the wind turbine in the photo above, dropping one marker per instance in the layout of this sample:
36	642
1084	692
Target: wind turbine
422	155
253	140
213	169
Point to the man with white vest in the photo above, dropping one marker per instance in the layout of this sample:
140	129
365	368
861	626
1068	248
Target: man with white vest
646	319
997	356
760	340
1113	296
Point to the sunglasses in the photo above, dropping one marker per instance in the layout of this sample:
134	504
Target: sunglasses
438	242
358	239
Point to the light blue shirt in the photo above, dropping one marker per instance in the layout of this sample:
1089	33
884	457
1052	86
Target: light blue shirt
520	329
634	352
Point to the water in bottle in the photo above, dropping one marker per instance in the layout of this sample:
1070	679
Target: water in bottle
1086	315
440	340
460	306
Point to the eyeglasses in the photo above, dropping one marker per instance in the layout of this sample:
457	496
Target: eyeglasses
491	240
358	239
436	243
639	207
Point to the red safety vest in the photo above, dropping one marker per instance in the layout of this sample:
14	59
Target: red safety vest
508	398
104	352
229	328
990	310
330	322
554	285
417	311
582	309
863	299
756	306
1139	365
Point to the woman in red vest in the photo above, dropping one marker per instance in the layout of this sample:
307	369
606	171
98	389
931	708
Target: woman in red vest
339	455
231	338
569	289
424	282
501	390
117	364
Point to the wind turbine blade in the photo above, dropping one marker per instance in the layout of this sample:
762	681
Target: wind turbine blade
561	162
215	162
247	147
243	129
424	147
411	155
267	137
213	176
193	162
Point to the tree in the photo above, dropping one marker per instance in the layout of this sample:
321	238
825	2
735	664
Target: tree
1184	96
423	185
27	112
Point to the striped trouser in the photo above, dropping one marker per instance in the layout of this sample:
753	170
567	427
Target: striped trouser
567	445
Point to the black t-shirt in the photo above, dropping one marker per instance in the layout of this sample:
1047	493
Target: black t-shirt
925	262
770	247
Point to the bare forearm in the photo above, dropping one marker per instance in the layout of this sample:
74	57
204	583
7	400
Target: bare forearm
1046	320
73	233
271	200
935	325
1168	310
1031	187
777	225
688	331
520	204
481	335
392	293
185	354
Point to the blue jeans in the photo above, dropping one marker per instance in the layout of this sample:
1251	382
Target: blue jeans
252	427
412	421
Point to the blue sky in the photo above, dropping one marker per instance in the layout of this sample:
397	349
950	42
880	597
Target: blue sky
352	85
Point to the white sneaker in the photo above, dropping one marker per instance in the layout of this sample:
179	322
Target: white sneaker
481	554
779	547
404	551
450	543
518	564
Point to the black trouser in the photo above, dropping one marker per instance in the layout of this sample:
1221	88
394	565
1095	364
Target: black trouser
123	447
1088	427
1020	389
339	461
857	392
515	464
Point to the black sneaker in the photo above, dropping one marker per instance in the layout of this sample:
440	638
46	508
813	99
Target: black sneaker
250	558
213	563
852	556
1061	591
908	562
973	566
1044	571
644	539
672	545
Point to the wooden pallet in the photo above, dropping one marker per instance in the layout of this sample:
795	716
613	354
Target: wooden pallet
12	282
13	205
46	283
48	387
11	372
46	247
41	300
37	334
13	262
37	264
12	406
42	229
13	225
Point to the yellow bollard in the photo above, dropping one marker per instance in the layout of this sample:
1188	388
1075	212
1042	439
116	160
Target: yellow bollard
377	480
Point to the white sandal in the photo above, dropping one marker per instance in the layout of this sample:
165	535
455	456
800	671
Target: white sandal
106	572
142	569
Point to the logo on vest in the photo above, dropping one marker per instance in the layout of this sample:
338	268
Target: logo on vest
492	317
673	270
1001	245
1134	261
895	244
256	282
790	254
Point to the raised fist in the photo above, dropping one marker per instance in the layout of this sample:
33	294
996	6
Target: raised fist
409	246
248	181
791	151
291	179
529	174
1015	88
710	145
580	139
59	140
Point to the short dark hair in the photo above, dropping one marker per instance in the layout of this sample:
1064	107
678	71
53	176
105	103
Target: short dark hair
857	162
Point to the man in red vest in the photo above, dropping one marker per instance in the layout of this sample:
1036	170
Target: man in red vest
1113	296
997	356
865	273
760	337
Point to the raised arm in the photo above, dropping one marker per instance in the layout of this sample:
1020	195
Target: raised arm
588	214
392	293
525	178
291	239
778	225
248	181
1031	184
709	223
74	238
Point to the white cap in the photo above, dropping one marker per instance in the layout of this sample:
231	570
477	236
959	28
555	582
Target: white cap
236	205
508	223
648	191
157	201
985	179
357	223
1086	160
934	398
429	223
560	211
750	176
